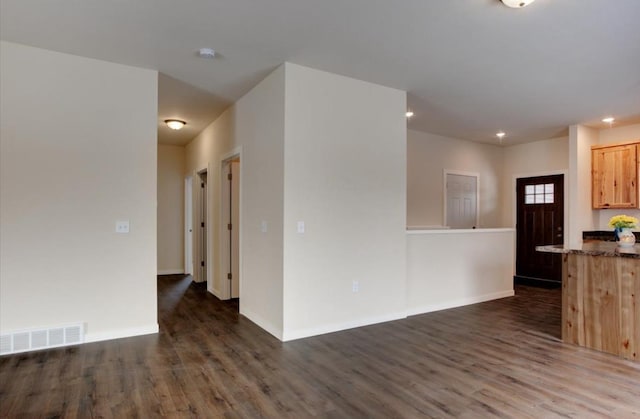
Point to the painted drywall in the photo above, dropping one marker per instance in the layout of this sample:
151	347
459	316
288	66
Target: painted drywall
170	209
481	270
629	133
254	127
428	155
345	173
582	216
537	158
78	153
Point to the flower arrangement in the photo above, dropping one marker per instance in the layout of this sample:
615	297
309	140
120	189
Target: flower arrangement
623	221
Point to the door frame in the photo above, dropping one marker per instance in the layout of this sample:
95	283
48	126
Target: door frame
514	206
446	172
223	241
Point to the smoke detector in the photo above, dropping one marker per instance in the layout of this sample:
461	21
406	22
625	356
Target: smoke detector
517	4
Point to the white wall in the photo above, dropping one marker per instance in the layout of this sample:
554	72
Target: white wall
345	157
428	155
582	216
480	268
77	152
537	158
170	251
254	125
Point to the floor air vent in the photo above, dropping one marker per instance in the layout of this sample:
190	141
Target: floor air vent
32	340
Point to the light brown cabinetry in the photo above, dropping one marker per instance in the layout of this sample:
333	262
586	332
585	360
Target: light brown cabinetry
614	173
600	307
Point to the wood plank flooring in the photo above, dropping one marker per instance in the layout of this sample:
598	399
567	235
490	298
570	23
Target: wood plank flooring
502	358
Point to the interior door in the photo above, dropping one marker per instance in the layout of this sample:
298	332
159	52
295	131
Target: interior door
234	236
540	221
188	229
462	201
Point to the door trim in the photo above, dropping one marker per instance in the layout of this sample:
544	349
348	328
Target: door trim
446	172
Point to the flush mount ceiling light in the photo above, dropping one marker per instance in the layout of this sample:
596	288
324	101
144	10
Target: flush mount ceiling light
206	53
175	123
409	114
517	4
608	120
501	134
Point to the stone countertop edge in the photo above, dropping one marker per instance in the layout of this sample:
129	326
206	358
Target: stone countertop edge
608	249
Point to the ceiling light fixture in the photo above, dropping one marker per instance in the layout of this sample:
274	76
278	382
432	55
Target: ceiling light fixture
175	123
409	114
501	134
206	53
517	4
608	120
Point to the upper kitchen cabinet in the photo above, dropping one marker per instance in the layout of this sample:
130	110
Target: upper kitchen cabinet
614	173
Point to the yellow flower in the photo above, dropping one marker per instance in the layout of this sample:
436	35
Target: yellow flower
623	221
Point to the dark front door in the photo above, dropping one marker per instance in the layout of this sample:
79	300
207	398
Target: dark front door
540	221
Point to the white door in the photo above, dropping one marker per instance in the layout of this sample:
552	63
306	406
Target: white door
188	226
235	230
461	201
201	242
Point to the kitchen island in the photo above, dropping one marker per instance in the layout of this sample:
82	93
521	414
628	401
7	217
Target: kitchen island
601	297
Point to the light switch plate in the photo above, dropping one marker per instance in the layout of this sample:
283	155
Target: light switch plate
263	226
300	227
122	226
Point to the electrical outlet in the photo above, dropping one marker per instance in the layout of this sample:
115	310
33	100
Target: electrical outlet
355	287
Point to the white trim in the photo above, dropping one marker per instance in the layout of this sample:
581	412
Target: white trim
336	327
460	302
444	192
262	323
121	333
462	231
174	271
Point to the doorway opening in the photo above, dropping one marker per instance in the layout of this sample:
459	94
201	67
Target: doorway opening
539	221
461	199
230	228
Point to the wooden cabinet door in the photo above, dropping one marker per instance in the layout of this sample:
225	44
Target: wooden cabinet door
614	176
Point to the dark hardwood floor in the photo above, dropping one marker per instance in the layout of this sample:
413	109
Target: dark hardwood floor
497	359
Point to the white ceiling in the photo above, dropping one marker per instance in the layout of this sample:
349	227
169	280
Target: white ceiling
470	67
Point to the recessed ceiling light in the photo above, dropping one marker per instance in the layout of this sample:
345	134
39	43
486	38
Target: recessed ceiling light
501	134
175	123
206	53
517	4
608	119
409	114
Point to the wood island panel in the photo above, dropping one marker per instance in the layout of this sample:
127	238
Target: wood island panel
600	303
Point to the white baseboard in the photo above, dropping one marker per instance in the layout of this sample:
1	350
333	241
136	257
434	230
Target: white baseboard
336	327
121	333
264	324
428	308
176	271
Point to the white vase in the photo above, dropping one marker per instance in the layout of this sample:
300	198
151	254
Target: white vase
626	238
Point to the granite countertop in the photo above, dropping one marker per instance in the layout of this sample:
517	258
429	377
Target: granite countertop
596	248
